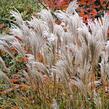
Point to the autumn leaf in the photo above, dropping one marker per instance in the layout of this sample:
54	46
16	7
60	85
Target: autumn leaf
50	3
21	58
13	49
15	107
85	18
24	87
24	59
102	1
2	25
40	57
82	2
94	12
62	4
14	80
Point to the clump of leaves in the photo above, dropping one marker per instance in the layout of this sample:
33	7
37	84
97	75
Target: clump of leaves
25	7
87	9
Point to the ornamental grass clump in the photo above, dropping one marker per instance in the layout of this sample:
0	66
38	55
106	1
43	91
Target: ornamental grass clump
55	62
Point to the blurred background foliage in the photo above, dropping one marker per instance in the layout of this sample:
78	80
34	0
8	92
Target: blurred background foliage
25	7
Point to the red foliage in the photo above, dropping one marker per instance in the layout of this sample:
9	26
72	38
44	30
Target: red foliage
22	59
87	8
50	3
2	25
57	4
22	87
62	3
40	57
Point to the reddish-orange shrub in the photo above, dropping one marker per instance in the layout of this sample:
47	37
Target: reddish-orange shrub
87	8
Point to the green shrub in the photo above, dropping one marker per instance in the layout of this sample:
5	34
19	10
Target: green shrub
25	7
